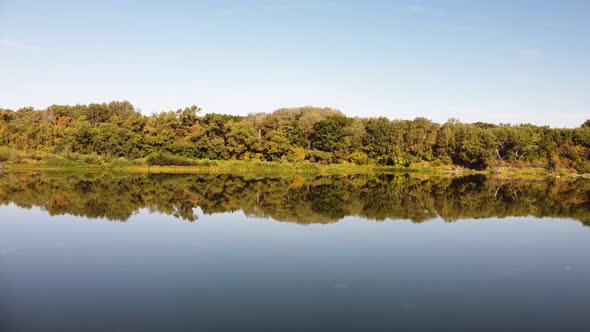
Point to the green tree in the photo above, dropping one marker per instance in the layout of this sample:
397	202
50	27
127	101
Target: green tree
473	147
330	133
242	138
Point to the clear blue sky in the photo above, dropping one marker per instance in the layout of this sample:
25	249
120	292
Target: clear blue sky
497	61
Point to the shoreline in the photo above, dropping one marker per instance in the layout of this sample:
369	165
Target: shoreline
291	169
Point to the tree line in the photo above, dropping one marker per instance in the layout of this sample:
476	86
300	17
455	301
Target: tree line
305	134
118	196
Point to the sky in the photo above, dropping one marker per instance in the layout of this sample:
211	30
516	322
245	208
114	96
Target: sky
498	61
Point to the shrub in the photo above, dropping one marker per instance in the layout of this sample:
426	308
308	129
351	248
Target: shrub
359	158
163	159
6	154
120	162
298	153
582	168
38	156
92	159
393	160
318	156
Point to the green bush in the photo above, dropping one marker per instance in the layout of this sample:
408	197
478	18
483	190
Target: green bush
163	159
582	168
446	160
35	156
6	154
120	162
359	158
393	160
92	159
318	156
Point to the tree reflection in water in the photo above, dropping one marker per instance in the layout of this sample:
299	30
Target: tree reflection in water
305	201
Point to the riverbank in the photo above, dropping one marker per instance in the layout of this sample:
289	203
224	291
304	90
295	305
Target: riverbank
263	168
228	167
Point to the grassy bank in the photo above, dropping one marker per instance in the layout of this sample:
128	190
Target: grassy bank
165	163
222	167
274	169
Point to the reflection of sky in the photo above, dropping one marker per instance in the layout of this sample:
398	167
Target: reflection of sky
227	271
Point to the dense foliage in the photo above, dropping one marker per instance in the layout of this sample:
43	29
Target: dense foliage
296	199
323	135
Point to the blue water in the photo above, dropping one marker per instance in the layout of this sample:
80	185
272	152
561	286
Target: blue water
229	272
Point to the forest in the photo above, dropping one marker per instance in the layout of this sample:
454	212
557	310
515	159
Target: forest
102	132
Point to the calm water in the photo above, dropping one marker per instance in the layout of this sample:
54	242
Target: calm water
220	253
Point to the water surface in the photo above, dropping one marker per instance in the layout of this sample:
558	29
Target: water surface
220	253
